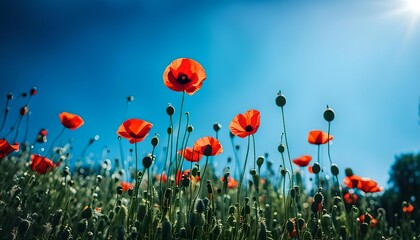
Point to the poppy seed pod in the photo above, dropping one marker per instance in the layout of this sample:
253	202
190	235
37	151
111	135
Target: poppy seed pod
155	141
280	100
260	161
170	110
9	96
130	98
334	169
316	168
190	128
329	114
217	127
147	161
281	148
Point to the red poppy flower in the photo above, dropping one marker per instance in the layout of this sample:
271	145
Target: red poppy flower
318	137
41	164
187	173
352	181
42	136
408	208
184	74
135	130
302	161
126	186
161	177
208	146
231	183
373	221
350	198
245	124
369	186
6	148
70	120
310	169
190	155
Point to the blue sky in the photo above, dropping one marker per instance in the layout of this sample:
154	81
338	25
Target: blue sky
359	57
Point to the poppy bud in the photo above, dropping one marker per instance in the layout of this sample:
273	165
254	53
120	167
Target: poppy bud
260	161
316	168
283	172
231	210
169	130
130	98
329	114
99	178
300	223
185	181
194	171
119	190
318	197
334	169
170	110
290	226
209	187
292	193
24	110
207	150
247	210
155	141
9	96
217	127
147	161
87	212
33	91
253	172
166	229
190	128
56	217
280	100
349	172
364	228
199	207
82	225
281	148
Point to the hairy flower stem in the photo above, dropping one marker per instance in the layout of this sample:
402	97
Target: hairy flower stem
287	145
319	161
178	131
238	165
240	186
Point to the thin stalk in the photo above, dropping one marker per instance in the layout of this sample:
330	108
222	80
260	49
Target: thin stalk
201	181
240	185
6	112
287	144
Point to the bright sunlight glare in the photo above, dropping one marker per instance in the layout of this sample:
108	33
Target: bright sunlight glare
413	5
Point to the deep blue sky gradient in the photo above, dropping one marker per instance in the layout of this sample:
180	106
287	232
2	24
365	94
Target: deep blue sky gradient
357	56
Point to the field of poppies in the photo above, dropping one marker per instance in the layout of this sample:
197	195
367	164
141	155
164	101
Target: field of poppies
42	198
